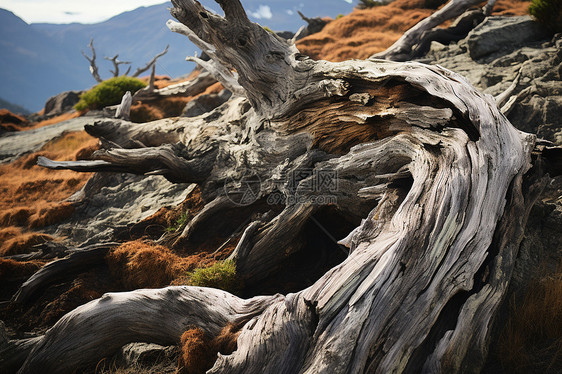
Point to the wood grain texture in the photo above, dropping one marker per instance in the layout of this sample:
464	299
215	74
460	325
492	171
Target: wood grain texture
429	166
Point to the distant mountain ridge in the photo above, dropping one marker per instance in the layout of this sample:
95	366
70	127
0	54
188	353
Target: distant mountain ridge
40	60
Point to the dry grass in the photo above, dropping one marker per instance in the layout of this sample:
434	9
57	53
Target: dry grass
198	352
531	342
30	195
23	243
83	289
12	122
10	269
141	264
366	32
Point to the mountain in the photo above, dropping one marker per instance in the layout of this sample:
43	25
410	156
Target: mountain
40	60
17	109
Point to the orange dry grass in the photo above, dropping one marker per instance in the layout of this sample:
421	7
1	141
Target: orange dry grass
85	288
9	269
532	339
23	243
198	352
139	264
160	81
24	186
197	355
366	32
30	196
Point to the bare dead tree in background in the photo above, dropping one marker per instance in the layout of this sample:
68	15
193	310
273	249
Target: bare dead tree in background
115	72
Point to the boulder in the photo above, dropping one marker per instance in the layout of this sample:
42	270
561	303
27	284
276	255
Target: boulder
144	354
61	103
503	33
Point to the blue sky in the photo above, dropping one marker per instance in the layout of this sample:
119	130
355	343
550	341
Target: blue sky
67	11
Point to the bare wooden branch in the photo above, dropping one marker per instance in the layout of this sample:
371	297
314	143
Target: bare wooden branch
151	63
92	60
102	326
78	260
228	78
116	64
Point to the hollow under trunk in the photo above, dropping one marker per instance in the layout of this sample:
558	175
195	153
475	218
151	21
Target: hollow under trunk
429	179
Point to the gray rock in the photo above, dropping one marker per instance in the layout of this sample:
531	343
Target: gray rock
62	103
16	144
503	33
540	253
538	109
141	354
123	200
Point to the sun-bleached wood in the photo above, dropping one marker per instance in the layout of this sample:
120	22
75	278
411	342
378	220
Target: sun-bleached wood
437	178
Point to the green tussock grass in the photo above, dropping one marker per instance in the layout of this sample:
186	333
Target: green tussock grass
548	13
108	92
221	275
180	222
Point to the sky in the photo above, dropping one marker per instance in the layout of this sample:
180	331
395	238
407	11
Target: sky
68	11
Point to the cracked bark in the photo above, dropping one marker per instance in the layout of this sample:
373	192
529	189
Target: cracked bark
436	180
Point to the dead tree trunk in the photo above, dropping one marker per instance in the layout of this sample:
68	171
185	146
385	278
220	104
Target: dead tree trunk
92	60
435	179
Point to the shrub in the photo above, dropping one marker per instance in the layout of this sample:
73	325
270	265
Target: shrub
221	275
548	13
109	92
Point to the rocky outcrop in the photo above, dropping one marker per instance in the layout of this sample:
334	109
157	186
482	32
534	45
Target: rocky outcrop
110	205
538	108
145	354
61	103
497	33
14	145
498	52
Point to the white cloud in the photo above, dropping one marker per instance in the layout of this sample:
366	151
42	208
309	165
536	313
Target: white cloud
263	12
348	1
67	11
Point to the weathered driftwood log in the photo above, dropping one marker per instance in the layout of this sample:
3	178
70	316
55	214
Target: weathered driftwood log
432	180
56	271
416	41
124	109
